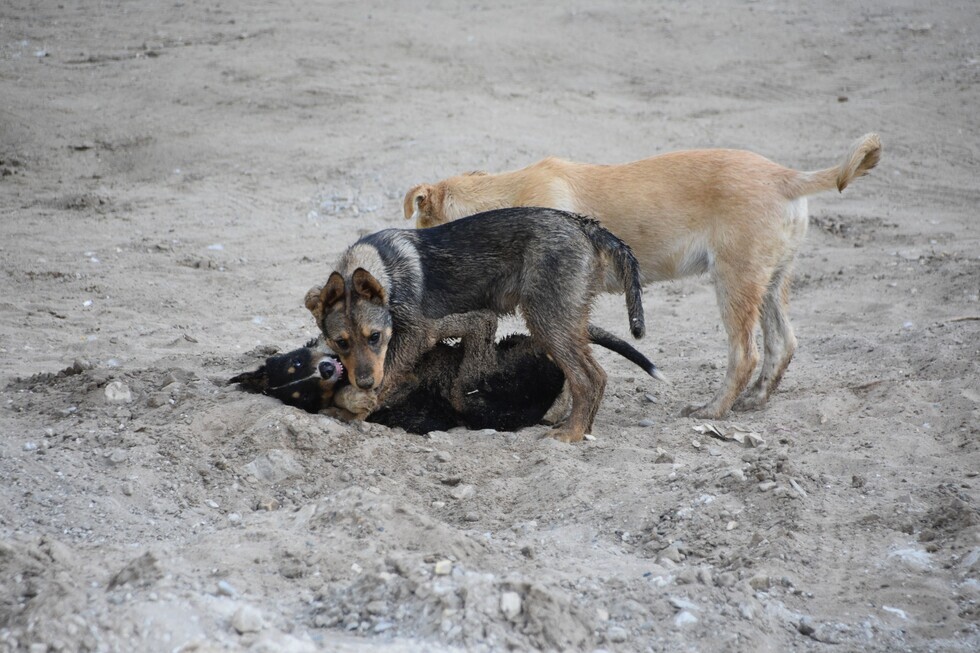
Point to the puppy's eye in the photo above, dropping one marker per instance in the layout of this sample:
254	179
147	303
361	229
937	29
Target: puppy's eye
375	338
341	343
298	363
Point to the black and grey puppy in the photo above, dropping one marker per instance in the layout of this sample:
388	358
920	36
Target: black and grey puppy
397	293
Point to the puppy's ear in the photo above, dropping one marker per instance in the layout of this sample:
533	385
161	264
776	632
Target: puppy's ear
415	200
319	298
314	303
367	287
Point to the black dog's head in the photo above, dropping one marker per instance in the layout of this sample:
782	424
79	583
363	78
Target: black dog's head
305	378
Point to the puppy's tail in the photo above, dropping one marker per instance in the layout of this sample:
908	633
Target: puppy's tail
862	156
627	270
603	338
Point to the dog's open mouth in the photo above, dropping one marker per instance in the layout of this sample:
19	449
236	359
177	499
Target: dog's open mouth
331	369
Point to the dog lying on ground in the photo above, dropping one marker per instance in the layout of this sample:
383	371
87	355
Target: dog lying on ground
519	391
398	292
731	212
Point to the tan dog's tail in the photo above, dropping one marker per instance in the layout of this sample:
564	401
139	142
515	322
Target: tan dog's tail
862	156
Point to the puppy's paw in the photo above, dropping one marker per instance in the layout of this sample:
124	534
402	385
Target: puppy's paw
565	435
357	403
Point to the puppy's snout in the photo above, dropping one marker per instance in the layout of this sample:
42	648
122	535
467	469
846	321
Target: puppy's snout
326	368
364	379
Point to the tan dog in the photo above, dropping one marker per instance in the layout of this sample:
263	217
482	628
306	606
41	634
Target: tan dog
731	212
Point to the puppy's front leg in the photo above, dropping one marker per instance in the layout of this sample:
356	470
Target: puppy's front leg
353	403
478	330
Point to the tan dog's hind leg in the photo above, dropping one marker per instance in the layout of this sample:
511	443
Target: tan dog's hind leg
740	290
779	341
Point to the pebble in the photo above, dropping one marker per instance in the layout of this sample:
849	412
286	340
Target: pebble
663	456
464	491
234	518
760	582
650	398
443	456
472	516
510	605
376	607
226	589
682	603
616	634
685	618
247	619
647	422
443	568
268	504
672	553
118	392
765	486
211	503
30	446
118	456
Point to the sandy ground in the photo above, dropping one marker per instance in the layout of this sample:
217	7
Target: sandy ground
174	177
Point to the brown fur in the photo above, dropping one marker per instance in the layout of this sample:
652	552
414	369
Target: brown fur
732	212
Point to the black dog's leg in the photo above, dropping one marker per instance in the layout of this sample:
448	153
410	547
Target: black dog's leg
478	331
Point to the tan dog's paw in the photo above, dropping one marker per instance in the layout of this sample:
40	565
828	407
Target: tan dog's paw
706	411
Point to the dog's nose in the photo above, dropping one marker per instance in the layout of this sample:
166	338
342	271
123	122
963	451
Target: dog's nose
365	382
326	369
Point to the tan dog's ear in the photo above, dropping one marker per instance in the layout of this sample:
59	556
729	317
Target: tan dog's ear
368	287
415	199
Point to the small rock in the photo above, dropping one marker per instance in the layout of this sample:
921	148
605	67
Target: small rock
443	568
732	525
685	618
672	553
464	491
647	422
472	516
118	456
760	582
806	626
857	481
211	503
127	489
247	619
747	610
510	605
443	456
30	446
376	607
268	504
682	603
226	589
663	456
234	518
616	634
650	398
118	392
765	486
